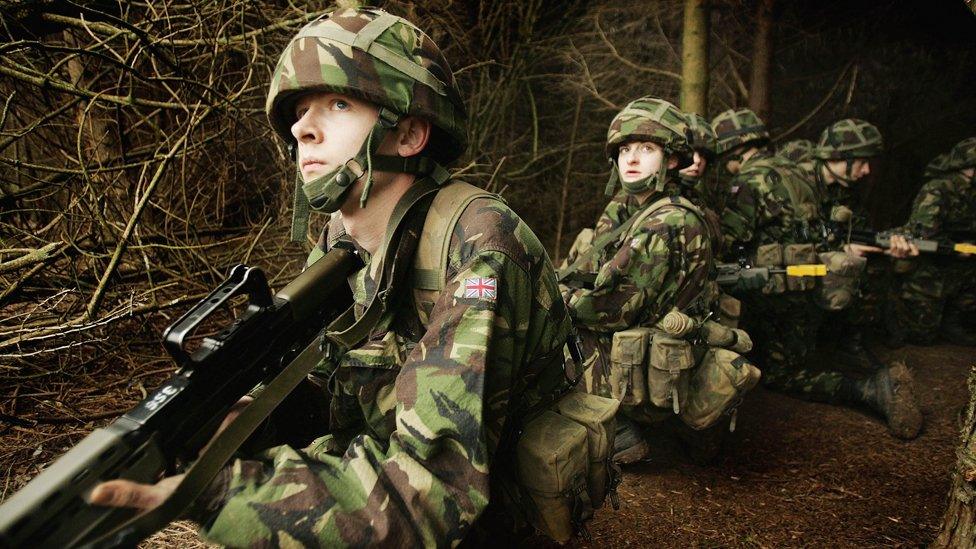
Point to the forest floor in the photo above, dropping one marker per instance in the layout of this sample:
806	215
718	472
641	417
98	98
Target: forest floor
794	473
798	473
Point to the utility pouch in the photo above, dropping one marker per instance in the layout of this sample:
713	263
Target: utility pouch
627	359
553	462
729	311
800	254
771	255
668	371
717	388
719	335
839	286
596	414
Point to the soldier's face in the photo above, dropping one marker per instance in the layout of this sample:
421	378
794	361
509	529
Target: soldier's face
697	167
639	159
860	168
329	129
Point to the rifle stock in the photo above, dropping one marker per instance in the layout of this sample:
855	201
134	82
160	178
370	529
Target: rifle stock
169	427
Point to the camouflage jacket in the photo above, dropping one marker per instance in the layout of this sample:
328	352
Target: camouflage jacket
417	412
834	196
660	263
759	209
944	207
620	208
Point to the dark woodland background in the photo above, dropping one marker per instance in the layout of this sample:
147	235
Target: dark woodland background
137	167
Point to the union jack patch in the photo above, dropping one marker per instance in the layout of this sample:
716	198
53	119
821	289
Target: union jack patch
480	288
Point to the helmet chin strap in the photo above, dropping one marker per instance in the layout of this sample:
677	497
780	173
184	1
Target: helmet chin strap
845	180
327	192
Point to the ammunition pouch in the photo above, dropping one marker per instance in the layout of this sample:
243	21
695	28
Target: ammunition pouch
668	371
771	256
648	368
628	382
564	467
839	286
800	254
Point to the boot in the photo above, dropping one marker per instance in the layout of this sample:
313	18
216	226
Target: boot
891	393
956	332
629	445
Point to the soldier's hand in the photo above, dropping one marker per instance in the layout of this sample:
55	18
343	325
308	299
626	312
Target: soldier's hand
126	493
860	250
901	247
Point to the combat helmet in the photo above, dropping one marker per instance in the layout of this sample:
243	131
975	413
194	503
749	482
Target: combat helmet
647	119
937	166
847	139
798	150
962	155
373	55
701	136
736	127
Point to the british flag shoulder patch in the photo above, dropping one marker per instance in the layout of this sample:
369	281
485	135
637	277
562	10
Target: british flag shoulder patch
480	288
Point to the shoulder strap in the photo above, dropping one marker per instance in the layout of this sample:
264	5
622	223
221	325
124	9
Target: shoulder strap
430	261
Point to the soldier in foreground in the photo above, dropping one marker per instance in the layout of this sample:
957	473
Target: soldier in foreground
775	217
936	296
420	445
655	262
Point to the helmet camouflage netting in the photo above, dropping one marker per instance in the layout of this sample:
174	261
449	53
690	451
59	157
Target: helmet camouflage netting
849	138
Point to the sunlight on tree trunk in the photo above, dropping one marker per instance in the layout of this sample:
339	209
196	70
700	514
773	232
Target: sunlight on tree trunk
762	52
959	523
694	57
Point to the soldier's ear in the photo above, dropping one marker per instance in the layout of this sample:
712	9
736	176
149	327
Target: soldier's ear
412	135
672	161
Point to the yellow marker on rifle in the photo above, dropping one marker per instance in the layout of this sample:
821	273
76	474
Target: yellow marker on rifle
806	270
965	248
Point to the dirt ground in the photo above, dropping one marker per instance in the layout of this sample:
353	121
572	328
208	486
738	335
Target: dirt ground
803	474
794	474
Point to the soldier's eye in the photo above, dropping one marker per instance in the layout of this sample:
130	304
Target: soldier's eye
300	112
340	105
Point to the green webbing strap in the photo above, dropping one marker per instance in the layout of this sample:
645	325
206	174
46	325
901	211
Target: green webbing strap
595	250
300	212
217	453
347	333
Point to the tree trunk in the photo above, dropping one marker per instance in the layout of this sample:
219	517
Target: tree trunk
762	53
694	58
959	522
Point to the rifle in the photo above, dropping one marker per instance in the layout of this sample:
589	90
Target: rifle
276	341
883	240
747	276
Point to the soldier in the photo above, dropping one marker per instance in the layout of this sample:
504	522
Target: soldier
702	181
840	161
773	217
656	259
798	150
422	412
937	295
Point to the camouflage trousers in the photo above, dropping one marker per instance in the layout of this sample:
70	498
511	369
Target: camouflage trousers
933	292
784	331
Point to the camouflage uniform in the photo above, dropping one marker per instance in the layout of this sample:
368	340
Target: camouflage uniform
782	205
847	140
761	211
652	267
938	294
415	448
